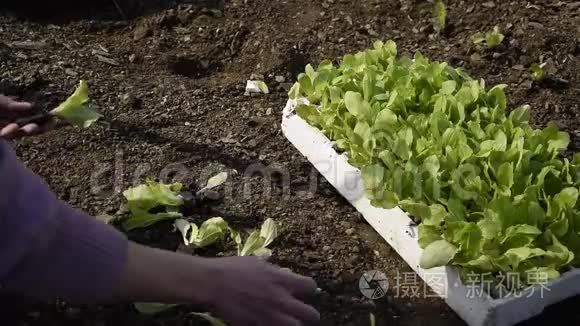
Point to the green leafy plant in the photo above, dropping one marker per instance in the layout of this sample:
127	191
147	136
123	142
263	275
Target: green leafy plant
210	319
491	39
372	319
210	231
152	308
156	308
439	16
538	72
490	193
77	109
258	240
216	229
214	182
152	202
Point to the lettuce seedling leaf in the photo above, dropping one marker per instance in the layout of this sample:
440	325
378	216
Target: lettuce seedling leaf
439	16
438	253
210	319
428	234
258	240
494	38
185	228
142	199
142	219
152	308
210	231
215	181
77	109
356	105
538	71
269	231
491	39
253	243
520	236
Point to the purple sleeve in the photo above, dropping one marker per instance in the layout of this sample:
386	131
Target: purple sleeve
47	248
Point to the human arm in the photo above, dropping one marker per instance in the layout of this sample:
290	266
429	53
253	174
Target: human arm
48	249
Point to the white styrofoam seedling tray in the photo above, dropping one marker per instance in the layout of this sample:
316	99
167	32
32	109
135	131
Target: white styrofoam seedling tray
476	309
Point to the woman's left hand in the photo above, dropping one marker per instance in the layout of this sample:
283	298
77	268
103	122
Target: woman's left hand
10	111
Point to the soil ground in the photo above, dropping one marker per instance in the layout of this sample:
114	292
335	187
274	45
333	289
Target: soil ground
170	80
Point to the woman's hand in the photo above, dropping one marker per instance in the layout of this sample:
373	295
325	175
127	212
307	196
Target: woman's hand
10	111
243	291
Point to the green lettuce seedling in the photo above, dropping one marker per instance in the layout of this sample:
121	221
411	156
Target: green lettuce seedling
152	202
152	308
210	231
214	182
538	71
257	242
77	109
491	39
213	321
439	16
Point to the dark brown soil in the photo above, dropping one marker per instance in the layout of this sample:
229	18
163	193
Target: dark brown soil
171	84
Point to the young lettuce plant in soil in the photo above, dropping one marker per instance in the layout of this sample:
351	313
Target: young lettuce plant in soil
439	16
77	110
211	231
153	202
491	194
538	72
491	39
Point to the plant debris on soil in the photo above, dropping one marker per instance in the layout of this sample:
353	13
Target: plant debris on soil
170	79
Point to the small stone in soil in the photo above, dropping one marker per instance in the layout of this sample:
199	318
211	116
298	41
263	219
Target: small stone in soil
280	79
141	32
349	231
326	248
70	72
528	84
475	58
489	4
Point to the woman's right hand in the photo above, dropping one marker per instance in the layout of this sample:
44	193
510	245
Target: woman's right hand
249	291
243	291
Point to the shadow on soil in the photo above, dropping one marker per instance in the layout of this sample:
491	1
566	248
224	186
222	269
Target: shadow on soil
66	11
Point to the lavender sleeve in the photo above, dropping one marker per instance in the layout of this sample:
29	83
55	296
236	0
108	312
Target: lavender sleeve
47	248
